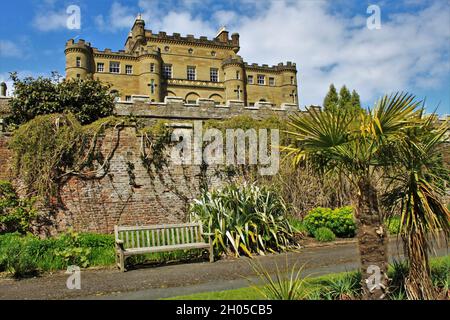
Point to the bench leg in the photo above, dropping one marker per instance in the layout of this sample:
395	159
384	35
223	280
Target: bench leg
211	251
122	262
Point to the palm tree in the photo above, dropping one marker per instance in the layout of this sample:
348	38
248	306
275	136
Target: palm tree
419	177
352	145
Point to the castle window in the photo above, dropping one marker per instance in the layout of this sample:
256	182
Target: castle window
114	67
152	67
214	74
168	71
190	73
213	53
166	49
78	62
238	75
271	81
128	98
261	79
292	80
129	69
100	67
191	51
250	79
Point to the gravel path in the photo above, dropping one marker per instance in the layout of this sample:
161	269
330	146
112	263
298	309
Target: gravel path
180	279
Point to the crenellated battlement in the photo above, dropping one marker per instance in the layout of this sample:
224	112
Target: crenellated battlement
162	36
177	108
289	66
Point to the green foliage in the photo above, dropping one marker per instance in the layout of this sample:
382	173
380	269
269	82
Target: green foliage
49	148
393	224
331	99
287	284
155	140
340	221
244	219
16	213
73	253
87	99
350	102
343	287
323	234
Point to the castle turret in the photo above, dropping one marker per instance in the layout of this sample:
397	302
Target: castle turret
138	30
289	82
3	88
150	74
79	59
235	42
233	69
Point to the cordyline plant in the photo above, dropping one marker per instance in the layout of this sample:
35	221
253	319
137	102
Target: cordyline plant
244	219
361	148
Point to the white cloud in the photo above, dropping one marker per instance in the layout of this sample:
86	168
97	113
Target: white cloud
50	20
120	17
9	49
410	51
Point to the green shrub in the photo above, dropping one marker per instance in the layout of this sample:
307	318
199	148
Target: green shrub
323	234
244	219
16	214
393	225
339	220
17	256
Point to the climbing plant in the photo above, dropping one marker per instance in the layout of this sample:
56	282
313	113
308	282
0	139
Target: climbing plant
50	148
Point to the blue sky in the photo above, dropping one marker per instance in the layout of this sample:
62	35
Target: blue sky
329	40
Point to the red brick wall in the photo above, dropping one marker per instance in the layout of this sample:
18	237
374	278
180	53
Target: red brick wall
161	196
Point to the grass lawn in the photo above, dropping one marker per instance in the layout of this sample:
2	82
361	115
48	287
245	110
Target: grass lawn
440	268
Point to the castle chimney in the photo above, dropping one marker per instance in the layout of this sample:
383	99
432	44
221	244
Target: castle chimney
222	35
3	88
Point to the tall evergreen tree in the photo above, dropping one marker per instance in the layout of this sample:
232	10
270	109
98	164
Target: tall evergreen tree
331	99
355	101
344	97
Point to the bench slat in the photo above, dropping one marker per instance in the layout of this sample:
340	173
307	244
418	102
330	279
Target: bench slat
159	226
178	235
148	238
138	245
166	248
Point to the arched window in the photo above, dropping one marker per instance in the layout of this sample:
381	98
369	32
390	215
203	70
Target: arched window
192	97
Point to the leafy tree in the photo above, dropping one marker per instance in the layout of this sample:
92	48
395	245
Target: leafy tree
331	99
351	144
88	99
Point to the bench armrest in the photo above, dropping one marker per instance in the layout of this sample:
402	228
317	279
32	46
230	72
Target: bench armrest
118	241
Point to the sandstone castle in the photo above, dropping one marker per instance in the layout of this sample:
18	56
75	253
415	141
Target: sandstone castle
155	66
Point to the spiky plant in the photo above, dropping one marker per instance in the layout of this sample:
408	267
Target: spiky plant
336	142
419	178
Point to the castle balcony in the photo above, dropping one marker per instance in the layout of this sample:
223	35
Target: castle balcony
195	83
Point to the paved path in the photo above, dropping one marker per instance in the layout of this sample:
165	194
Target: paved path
182	279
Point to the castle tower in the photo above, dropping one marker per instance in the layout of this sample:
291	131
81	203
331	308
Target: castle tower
79	59
233	69
289	82
150	66
138	30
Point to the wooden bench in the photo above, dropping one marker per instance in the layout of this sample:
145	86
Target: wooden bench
135	240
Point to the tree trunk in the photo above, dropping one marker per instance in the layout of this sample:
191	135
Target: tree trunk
418	284
372	242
